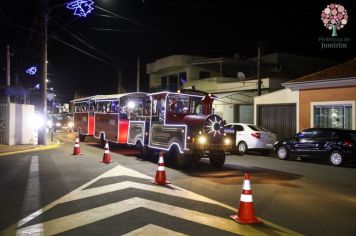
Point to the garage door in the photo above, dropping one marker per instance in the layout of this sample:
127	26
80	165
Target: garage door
279	119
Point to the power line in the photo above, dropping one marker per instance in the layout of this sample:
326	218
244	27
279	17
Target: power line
87	44
86	53
125	18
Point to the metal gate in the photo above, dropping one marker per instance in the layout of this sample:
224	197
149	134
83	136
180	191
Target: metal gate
278	118
4	110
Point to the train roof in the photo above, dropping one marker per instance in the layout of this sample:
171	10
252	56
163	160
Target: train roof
191	92
110	97
117	96
83	99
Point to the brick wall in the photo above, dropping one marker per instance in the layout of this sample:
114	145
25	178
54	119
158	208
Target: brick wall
306	97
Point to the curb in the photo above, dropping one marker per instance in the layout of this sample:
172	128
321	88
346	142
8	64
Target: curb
36	148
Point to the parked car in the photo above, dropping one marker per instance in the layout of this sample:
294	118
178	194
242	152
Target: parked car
249	136
63	122
336	145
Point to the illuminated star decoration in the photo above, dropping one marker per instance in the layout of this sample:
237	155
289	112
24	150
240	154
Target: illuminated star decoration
81	7
32	70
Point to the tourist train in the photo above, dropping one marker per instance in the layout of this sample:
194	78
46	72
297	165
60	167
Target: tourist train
180	123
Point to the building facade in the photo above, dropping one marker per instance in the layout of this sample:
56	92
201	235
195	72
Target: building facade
232	80
323	99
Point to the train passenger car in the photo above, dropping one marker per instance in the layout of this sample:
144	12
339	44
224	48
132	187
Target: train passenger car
116	114
83	116
184	125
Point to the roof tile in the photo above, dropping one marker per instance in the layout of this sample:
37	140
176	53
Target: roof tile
344	70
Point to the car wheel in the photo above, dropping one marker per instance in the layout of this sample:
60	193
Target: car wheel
282	153
242	148
336	158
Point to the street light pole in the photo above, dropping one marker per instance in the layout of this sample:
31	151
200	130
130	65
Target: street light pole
43	84
8	71
259	70
138	74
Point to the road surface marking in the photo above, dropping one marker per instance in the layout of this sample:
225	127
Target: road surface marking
32	196
93	215
89	216
153	230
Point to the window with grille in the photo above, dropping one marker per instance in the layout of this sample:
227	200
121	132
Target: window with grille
333	116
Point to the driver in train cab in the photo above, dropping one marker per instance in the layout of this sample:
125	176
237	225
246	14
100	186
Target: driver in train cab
173	105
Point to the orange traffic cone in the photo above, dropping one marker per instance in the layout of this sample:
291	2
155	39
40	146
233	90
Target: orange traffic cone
161	173
107	156
245	213
76	150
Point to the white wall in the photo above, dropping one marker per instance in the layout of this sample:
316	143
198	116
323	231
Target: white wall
226	111
283	96
20	130
225	103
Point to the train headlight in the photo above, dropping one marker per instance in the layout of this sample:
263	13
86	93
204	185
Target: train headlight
70	124
227	141
58	124
202	139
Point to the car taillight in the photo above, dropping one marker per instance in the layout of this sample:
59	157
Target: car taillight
256	135
347	143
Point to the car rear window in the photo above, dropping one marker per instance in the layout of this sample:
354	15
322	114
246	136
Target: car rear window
257	128
254	128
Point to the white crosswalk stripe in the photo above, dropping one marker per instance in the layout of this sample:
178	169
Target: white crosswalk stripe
89	216
153	230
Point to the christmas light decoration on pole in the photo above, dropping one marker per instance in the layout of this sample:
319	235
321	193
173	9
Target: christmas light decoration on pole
81	7
32	70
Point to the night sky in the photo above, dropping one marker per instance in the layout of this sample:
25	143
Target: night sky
118	31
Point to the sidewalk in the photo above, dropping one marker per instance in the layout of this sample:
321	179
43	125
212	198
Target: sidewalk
22	148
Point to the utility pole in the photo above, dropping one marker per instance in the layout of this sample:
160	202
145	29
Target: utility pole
258	70
43	84
119	79
8	71
138	74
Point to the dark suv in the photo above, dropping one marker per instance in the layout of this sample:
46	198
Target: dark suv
336	145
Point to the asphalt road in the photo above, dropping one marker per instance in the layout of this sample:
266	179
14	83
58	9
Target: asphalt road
57	193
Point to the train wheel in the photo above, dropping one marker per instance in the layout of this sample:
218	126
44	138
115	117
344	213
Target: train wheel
217	160
102	140
195	160
146	152
181	160
81	137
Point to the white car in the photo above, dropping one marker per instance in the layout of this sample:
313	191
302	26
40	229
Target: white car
249	136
